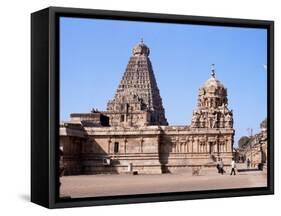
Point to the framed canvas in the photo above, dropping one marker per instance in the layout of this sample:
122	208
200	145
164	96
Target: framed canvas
134	107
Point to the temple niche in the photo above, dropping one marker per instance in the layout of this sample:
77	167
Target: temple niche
133	134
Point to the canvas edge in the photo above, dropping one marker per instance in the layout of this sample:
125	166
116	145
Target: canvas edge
53	81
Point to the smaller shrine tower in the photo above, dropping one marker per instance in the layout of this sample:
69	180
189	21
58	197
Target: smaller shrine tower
213	118
212	108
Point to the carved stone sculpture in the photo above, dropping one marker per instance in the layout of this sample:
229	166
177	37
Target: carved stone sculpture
212	105
138	88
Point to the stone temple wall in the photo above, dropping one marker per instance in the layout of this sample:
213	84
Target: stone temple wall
120	146
186	147
151	149
133	133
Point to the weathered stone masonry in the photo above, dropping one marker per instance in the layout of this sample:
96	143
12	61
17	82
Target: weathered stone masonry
134	130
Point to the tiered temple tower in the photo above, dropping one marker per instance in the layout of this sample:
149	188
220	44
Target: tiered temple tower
212	110
134	131
137	101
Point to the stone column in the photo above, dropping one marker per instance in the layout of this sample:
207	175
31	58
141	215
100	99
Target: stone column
226	144
207	147
125	145
197	146
141	144
177	144
109	145
204	142
217	143
229	144
191	144
202	147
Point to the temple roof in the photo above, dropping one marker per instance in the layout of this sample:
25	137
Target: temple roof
141	49
212	109
138	90
212	81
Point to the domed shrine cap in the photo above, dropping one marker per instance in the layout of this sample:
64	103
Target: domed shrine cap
141	49
213	81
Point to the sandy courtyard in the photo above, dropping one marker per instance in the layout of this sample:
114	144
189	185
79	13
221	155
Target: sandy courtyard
125	184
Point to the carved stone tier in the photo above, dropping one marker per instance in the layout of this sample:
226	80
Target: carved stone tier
212	110
133	132
137	101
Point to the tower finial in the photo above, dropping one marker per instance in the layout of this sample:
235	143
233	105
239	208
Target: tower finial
213	73
142	40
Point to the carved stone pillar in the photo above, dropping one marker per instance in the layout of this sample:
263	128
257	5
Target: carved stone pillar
226	144
141	144
173	147
198	145
125	145
217	143
190	144
109	145
195	145
205	142
177	144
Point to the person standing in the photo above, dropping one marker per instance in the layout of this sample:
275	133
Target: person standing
233	166
248	163
218	166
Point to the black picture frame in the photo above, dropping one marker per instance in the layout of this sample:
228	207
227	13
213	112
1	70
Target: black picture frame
45	106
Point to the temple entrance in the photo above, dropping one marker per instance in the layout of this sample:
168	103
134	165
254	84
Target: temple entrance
211	147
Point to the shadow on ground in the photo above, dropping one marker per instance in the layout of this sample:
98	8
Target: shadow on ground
25	197
248	170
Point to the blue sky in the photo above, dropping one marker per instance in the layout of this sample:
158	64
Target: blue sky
94	54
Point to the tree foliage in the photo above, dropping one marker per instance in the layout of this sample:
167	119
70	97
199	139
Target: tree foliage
243	141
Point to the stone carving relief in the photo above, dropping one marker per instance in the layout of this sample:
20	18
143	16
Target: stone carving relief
138	91
212	110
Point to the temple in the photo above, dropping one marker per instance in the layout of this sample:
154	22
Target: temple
137	101
133	133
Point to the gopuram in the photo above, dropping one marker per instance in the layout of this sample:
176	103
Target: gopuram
133	133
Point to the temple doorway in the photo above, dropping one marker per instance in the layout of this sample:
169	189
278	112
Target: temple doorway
211	147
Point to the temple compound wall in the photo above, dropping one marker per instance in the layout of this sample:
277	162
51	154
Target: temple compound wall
133	134
150	149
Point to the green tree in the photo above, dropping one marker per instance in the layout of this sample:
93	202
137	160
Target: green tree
243	141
